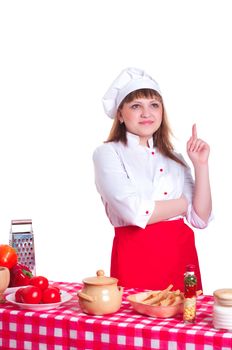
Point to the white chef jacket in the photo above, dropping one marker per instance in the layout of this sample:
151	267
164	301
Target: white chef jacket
130	178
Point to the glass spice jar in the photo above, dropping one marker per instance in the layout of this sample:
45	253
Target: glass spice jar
190	299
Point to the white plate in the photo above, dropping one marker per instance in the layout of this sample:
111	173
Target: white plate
39	307
12	290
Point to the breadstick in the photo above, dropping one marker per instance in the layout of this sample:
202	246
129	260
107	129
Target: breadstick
169	300
178	300
151	295
158	297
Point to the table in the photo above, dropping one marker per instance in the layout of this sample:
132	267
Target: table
67	328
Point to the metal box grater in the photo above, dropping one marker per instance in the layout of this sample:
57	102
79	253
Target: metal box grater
22	239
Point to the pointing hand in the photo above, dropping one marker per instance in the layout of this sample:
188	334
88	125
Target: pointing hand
197	149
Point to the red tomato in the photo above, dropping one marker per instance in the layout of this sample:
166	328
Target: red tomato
31	295
39	281
51	295
18	295
8	256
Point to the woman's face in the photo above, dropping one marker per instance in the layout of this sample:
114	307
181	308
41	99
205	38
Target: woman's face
142	117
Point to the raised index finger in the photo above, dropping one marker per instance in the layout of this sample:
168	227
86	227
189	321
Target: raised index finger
194	131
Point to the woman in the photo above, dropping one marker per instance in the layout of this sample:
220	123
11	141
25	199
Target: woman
147	188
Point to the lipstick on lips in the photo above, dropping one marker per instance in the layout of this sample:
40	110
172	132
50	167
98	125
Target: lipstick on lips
146	122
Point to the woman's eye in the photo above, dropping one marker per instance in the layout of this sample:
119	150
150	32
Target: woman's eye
155	105
135	106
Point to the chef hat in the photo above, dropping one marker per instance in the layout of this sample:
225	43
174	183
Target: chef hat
130	79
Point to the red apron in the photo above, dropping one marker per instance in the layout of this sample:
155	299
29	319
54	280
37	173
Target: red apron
154	257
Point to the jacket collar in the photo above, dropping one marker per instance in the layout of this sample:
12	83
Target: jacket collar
133	140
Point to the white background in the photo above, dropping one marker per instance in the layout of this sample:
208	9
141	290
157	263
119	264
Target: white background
57	58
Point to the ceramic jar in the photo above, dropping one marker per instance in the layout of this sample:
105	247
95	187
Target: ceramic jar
222	309
4	281
100	295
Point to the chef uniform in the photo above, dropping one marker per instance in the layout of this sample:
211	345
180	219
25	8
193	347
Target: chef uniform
130	179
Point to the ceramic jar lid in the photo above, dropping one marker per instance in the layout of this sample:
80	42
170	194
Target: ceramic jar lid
100	279
223	296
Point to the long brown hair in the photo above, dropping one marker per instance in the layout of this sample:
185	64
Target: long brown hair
161	138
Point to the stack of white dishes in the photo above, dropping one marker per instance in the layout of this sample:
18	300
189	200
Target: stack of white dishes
222	309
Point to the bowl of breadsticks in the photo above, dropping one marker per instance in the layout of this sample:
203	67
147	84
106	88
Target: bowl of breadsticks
159	303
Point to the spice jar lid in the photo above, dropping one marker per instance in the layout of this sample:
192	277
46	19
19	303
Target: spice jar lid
190	267
223	296
100	279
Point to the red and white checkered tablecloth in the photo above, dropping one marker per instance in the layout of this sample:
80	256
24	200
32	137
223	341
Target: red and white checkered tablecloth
67	328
